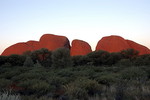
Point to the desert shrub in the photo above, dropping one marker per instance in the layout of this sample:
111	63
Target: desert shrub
134	73
80	60
37	64
28	62
57	81
129	53
65	73
121	87
4	83
7	64
81	88
9	96
28	76
142	60
3	60
35	86
10	73
61	58
124	63
113	58
43	56
107	79
33	97
16	60
98	57
130	78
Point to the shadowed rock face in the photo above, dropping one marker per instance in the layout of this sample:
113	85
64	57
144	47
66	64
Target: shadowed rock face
117	43
49	41
80	47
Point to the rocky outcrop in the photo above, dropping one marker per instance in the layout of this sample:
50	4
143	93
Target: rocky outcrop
142	49
112	44
49	41
52	42
80	47
18	48
117	43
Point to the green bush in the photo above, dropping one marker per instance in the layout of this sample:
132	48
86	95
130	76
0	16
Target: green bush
43	56
35	86
129	53
80	60
28	62
98	57
5	83
124	63
3	60
16	60
61	58
142	60
107	79
81	88
113	58
134	73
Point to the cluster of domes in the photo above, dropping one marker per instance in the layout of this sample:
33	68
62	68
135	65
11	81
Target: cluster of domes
78	47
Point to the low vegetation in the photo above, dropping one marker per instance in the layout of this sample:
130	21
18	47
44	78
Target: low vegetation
55	75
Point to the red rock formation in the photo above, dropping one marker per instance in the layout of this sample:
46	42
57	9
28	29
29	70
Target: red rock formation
34	45
117	43
80	47
53	42
18	48
48	41
112	44
142	49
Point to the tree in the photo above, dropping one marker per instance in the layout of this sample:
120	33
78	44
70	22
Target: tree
114	58
134	78
61	58
3	60
43	56
28	62
16	60
98	57
142	60
80	60
129	53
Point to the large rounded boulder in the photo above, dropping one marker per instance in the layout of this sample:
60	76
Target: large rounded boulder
117	44
80	47
49	41
112	44
52	42
142	49
18	48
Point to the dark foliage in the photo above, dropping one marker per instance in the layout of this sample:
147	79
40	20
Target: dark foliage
119	76
43	56
61	58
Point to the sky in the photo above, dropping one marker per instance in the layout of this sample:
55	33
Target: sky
88	20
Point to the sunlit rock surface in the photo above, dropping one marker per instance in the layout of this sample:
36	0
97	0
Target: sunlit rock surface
52	42
49	41
112	44
80	47
117	43
142	49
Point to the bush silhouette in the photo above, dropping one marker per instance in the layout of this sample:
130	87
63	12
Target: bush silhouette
61	58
